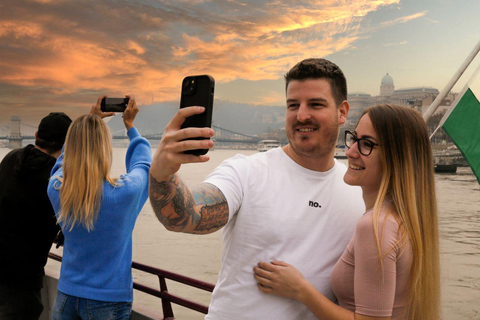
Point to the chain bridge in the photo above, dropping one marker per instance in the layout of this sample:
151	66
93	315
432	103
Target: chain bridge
14	132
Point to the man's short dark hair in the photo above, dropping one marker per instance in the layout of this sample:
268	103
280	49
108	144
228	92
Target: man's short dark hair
317	68
49	146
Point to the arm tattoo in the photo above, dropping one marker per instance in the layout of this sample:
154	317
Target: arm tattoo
213	210
172	203
203	210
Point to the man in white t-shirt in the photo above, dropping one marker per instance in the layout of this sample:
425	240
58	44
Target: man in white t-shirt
288	204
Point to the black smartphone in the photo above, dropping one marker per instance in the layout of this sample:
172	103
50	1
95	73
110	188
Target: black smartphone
198	91
114	104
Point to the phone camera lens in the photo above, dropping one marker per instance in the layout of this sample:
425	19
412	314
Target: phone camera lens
189	86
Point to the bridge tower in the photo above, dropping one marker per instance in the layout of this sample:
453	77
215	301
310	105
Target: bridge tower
15	137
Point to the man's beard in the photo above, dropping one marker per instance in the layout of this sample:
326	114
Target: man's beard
314	151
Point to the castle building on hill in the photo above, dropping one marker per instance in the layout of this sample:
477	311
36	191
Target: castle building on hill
387	88
419	98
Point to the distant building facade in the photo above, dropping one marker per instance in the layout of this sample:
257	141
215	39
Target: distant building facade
419	98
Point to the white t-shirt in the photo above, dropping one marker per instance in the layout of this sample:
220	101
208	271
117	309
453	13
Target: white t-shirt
279	211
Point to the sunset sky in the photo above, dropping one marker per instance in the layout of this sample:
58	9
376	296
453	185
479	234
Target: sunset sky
63	54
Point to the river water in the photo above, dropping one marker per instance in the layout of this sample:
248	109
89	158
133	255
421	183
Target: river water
198	256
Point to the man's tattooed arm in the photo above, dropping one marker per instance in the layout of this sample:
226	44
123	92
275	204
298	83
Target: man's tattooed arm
202	210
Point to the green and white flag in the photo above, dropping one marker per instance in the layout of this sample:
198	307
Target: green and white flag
462	124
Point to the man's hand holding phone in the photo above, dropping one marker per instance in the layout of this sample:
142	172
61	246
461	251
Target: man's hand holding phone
170	154
186	138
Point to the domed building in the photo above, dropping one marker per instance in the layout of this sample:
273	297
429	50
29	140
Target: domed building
418	97
387	87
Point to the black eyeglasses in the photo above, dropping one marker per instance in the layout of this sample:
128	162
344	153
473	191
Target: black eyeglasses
365	146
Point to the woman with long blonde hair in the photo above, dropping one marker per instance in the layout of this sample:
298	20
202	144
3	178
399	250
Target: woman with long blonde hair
390	269
97	214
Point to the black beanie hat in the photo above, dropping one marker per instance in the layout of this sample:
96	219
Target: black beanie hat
54	127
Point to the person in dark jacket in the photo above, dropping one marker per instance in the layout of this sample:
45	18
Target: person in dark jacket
27	221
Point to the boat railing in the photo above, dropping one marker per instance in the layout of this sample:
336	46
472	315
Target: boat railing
166	297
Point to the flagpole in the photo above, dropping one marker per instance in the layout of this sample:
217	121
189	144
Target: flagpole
454	104
451	83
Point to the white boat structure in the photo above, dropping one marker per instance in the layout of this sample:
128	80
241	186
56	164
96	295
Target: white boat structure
265	145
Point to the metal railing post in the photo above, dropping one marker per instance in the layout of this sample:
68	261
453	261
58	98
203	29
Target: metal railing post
166	304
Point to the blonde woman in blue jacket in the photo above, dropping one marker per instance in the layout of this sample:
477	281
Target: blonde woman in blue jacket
97	214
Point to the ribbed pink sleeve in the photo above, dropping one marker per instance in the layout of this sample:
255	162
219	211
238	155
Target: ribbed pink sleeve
358	280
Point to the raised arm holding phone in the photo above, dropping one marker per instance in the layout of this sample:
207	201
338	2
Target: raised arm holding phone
97	214
200	210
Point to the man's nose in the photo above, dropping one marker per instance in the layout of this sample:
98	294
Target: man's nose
303	113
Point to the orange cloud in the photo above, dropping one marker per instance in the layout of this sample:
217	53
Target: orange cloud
404	19
20	29
72	50
74	64
132	45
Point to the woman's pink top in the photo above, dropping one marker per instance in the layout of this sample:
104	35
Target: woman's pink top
357	279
